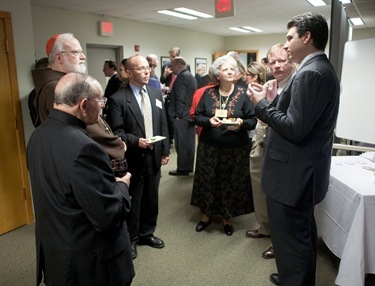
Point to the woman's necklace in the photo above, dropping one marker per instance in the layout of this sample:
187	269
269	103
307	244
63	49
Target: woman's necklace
223	101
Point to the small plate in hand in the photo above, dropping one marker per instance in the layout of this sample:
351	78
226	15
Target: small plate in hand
155	139
229	122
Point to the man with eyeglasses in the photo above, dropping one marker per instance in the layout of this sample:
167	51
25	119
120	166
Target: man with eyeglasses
80	207
65	55
133	113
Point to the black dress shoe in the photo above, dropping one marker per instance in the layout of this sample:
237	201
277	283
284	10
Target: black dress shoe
228	229
202	225
275	278
179	173
134	251
152	241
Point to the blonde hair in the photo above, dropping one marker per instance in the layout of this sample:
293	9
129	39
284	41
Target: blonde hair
255	68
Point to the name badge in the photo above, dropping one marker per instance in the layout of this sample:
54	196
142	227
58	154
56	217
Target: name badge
221	113
159	104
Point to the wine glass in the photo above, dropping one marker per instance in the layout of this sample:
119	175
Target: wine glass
119	167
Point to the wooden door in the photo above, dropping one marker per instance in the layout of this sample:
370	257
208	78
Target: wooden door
15	200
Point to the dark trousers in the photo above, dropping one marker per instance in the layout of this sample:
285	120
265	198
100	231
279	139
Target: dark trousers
169	121
294	239
144	189
184	133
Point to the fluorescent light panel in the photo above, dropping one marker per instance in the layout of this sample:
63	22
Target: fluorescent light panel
175	14
252	29
356	21
317	3
240	30
193	12
345	1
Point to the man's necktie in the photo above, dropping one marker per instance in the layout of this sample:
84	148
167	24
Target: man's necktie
172	81
147	114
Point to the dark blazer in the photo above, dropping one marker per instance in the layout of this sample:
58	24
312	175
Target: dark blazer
298	150
167	80
126	120
80	210
113	85
181	96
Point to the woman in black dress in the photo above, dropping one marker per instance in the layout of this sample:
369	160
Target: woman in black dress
222	178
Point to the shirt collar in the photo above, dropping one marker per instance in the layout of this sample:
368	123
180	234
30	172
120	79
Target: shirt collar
310	56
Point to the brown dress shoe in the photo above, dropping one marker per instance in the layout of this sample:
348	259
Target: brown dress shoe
254	233
268	253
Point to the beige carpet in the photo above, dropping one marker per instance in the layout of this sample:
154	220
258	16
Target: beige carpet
189	258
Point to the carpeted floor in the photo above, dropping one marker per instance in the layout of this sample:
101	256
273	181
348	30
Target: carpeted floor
189	258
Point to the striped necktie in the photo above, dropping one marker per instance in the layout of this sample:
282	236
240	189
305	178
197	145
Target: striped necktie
147	113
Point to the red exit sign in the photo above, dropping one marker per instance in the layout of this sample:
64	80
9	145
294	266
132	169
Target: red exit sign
224	8
105	29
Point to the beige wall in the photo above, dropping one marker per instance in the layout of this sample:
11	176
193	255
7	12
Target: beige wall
33	25
152	38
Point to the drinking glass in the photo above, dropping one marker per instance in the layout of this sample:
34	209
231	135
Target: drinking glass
119	167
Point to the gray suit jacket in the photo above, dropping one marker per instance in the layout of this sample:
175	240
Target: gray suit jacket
302	119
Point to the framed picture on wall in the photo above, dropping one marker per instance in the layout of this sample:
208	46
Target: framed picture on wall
200	61
163	61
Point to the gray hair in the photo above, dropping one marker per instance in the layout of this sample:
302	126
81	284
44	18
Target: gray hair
73	87
58	45
220	61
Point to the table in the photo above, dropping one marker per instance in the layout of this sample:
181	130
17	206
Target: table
346	218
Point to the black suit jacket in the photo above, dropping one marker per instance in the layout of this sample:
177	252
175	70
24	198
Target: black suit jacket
167	80
299	144
126	120
113	85
181	96
80	230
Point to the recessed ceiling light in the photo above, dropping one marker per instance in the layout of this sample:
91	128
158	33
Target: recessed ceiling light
356	21
175	14
317	3
252	29
193	12
239	30
345	1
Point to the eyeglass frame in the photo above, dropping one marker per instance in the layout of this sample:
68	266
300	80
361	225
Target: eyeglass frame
141	69
75	53
102	100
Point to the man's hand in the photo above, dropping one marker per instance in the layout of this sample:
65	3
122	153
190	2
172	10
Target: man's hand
256	92
142	143
164	159
125	179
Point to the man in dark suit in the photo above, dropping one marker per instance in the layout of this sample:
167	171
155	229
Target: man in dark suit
297	158
114	82
179	111
167	78
128	118
80	207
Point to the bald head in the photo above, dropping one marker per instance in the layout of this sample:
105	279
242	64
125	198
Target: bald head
79	95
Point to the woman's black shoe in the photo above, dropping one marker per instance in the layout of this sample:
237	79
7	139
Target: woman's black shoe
202	225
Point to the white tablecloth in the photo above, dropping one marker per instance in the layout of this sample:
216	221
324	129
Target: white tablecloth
346	218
